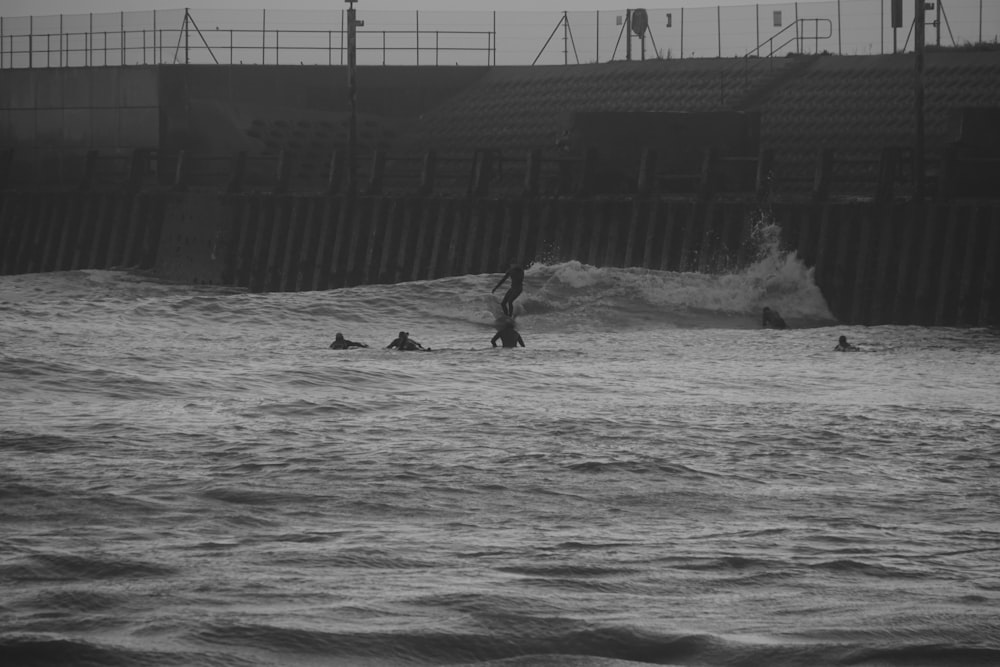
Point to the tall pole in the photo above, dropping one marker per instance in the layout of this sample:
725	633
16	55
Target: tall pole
937	24
352	87
918	99
628	34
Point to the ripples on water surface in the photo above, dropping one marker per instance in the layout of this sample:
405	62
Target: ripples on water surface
191	477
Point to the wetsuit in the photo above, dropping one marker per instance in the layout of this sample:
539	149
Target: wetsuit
516	275
344	344
405	344
509	337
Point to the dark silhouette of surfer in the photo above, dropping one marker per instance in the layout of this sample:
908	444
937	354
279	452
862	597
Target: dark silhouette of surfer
405	343
516	275
772	320
508	335
341	343
844	346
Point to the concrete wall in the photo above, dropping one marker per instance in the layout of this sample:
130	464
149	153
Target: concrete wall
52	117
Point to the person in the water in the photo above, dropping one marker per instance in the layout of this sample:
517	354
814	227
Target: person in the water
508	336
405	343
772	320
516	275
341	343
844	346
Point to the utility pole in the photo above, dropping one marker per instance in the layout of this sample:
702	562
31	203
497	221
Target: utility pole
352	87
919	16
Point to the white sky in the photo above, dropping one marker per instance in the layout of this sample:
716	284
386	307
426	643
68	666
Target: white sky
54	7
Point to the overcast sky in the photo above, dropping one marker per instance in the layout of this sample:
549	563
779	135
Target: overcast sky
50	7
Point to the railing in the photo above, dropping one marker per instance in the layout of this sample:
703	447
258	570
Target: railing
860	27
189	44
798	36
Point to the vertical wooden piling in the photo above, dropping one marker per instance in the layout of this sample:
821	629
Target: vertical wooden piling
972	262
635	237
141	207
248	237
50	249
152	231
829	217
598	234
427	217
948	277
989	299
492	258
388	266
886	249
295	222
103	223
265	227
470	246
526	250
864	258
344	231
694	230
276	242
39	232
326	215
361	214
928	266
405	222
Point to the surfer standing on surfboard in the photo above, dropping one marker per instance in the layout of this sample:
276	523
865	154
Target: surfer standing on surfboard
516	275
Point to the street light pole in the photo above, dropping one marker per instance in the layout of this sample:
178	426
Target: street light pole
352	87
919	16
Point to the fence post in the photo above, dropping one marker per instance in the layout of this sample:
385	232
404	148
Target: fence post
682	33
718	26
840	46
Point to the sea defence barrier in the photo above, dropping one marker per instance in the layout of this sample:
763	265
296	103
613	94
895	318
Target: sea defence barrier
876	262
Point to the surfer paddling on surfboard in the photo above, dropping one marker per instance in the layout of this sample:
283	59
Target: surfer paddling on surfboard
404	342
516	275
341	343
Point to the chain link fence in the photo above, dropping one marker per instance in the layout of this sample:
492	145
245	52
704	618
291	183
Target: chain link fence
269	37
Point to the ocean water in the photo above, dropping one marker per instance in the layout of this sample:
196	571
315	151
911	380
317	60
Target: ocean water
190	476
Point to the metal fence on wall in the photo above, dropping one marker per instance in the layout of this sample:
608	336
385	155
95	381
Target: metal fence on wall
847	27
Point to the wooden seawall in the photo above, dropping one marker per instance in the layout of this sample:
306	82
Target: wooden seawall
876	263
